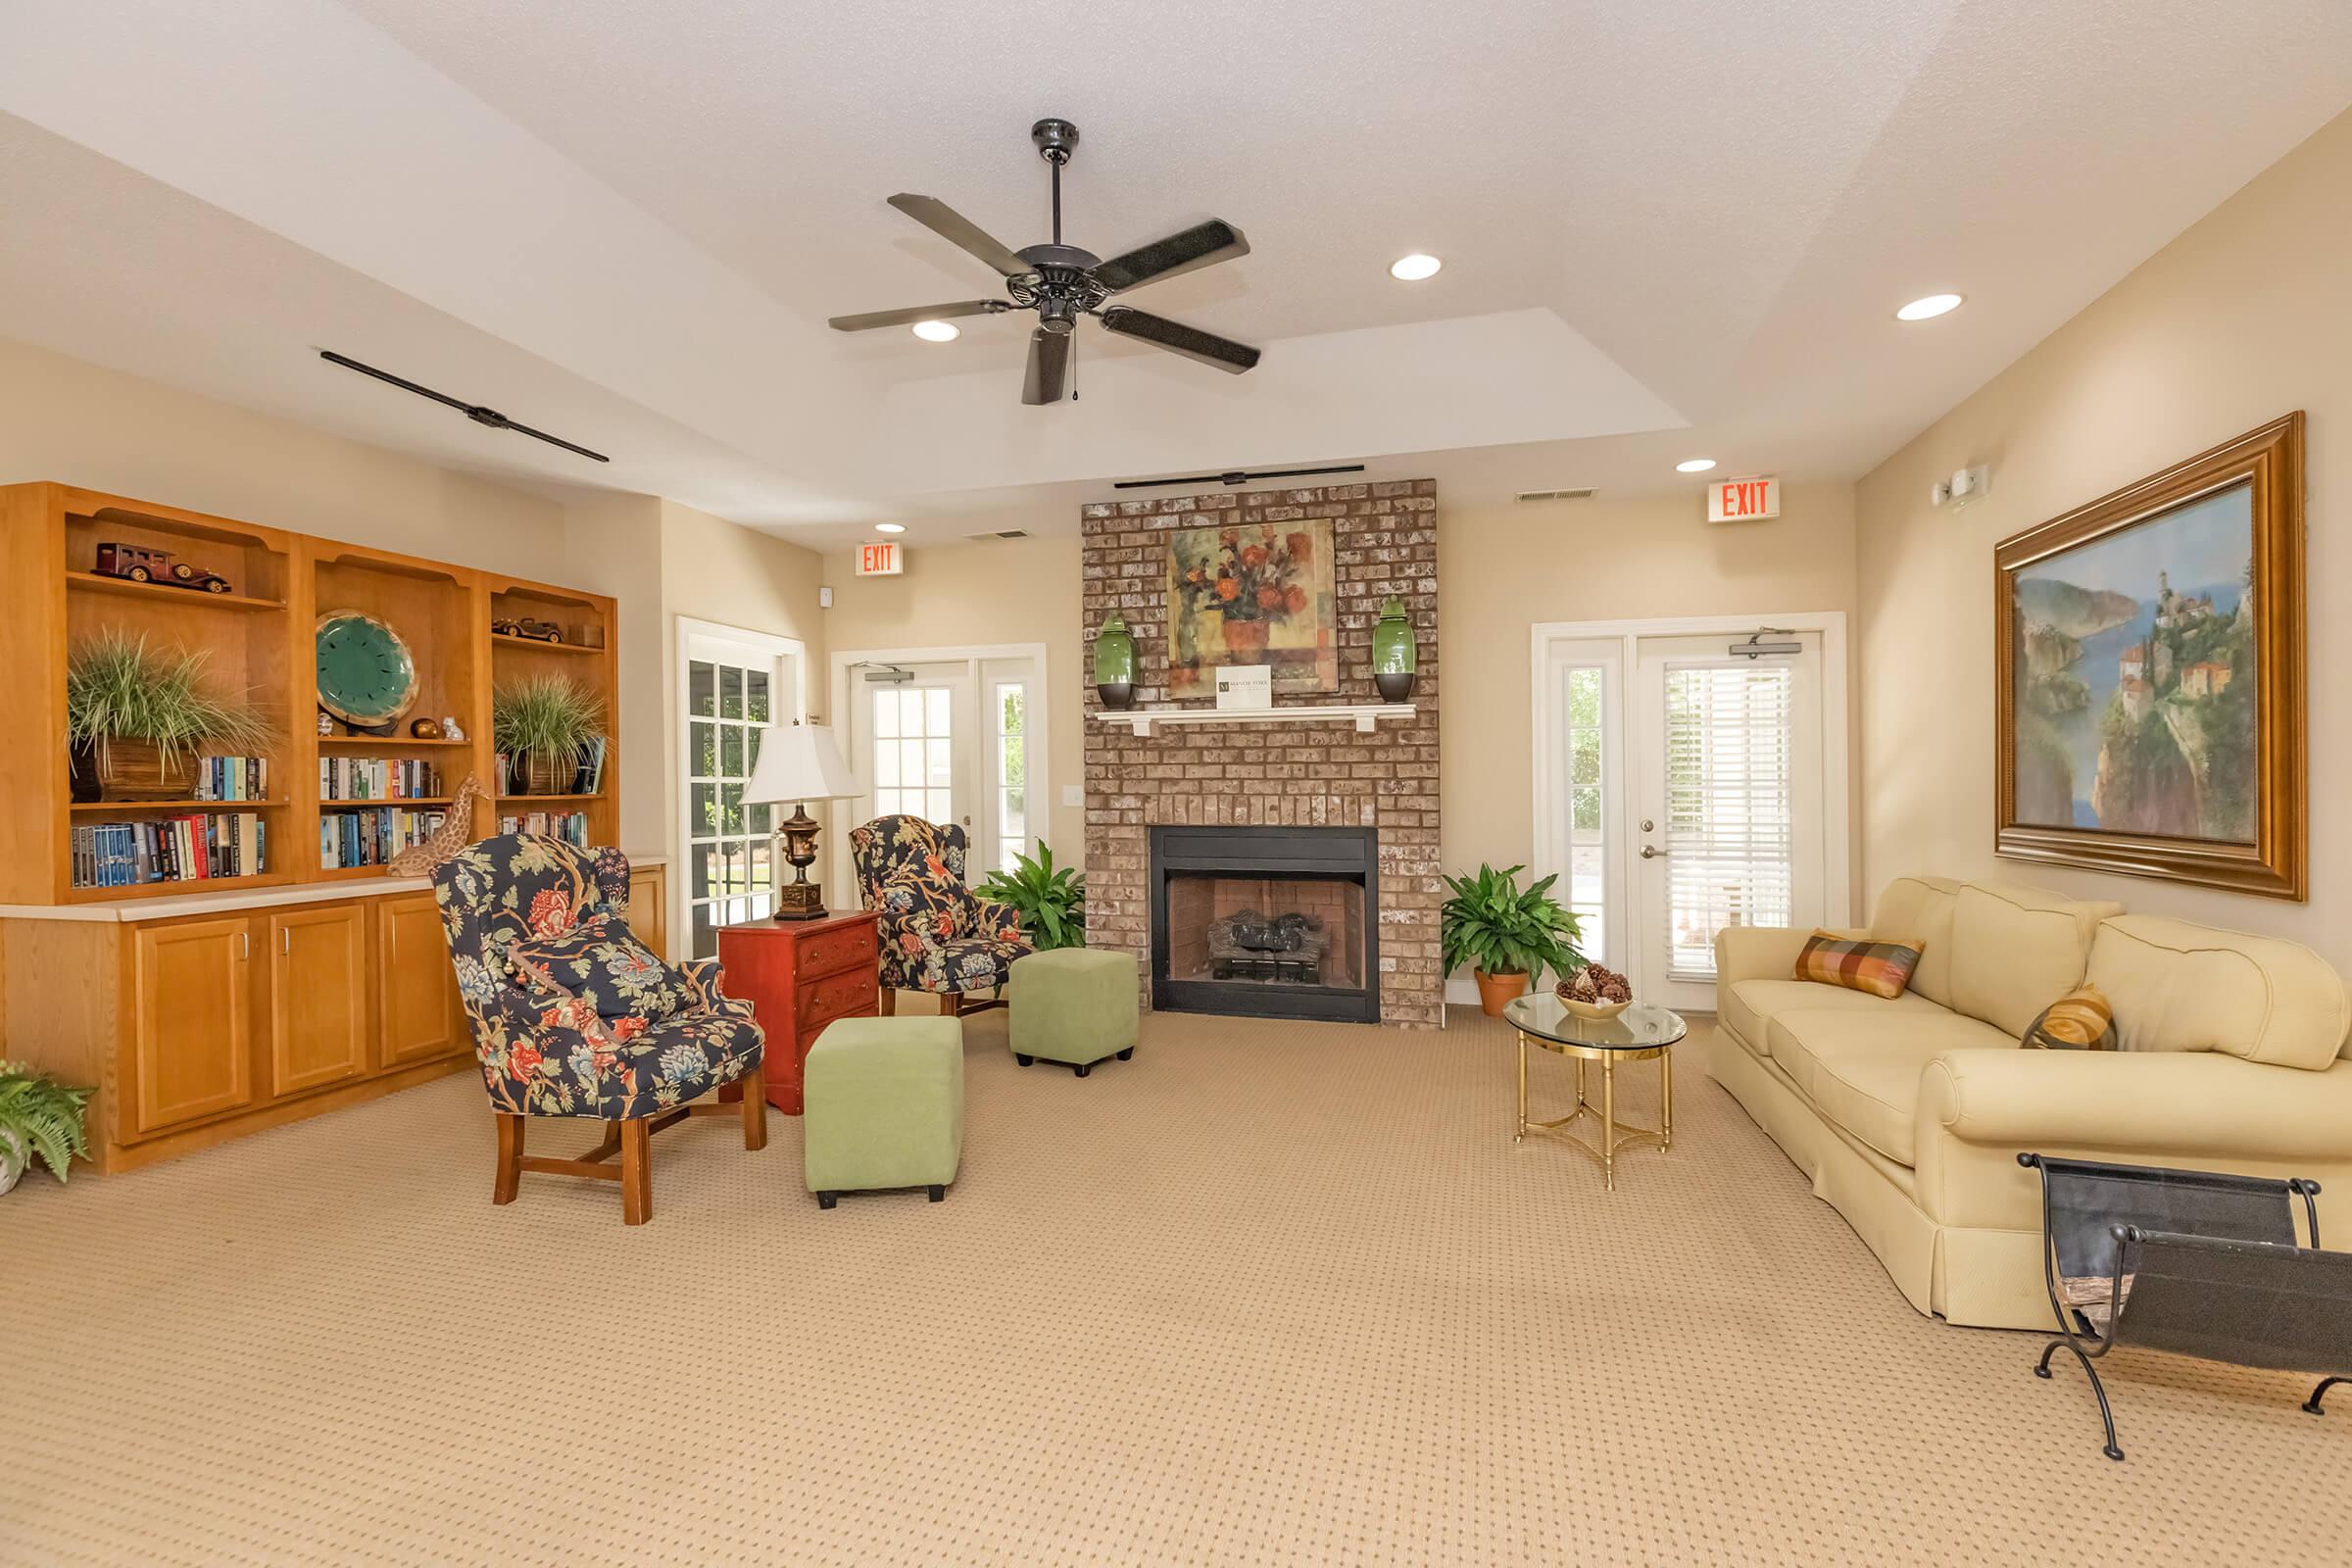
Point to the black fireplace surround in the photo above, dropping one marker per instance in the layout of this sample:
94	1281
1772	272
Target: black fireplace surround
1334	870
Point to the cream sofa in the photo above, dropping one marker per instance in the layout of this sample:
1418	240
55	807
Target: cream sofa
1909	1115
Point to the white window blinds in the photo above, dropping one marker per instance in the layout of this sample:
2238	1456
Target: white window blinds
1729	806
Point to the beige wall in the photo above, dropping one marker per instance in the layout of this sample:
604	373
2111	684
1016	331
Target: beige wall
1502	569
976	595
2238	321
66	420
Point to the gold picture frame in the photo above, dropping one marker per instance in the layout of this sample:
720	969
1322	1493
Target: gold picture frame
2165	723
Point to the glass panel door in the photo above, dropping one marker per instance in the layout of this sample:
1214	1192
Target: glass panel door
1731	774
956	741
734	690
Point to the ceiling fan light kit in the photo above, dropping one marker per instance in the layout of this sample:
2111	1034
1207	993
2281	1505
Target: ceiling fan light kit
1064	282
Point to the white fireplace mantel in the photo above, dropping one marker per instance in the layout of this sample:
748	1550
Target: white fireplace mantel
1366	717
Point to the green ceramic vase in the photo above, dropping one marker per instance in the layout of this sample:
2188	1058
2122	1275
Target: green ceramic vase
1114	663
1395	651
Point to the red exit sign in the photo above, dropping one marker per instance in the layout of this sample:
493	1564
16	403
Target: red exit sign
1744	500
883	559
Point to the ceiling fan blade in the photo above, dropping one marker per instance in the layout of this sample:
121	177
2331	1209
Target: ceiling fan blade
1048	367
921	313
958	230
1177	338
1202	245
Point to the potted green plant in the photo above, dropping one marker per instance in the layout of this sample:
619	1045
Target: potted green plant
38	1115
136	716
544	724
1051	902
1506	934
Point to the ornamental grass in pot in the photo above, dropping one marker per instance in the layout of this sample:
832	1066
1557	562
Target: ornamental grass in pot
137	716
1506	934
545	724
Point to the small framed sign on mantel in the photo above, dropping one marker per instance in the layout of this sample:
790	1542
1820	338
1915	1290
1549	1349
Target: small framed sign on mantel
1247	688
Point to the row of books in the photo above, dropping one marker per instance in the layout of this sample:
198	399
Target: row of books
376	778
233	778
171	848
587	779
372	837
570	826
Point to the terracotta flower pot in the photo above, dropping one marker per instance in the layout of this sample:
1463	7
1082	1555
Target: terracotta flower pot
1495	991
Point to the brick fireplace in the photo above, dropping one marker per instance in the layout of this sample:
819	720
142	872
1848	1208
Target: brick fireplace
1327	775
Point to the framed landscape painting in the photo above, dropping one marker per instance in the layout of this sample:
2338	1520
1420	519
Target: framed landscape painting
2150	689
1253	594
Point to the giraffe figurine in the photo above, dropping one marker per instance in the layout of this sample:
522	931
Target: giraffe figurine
454	834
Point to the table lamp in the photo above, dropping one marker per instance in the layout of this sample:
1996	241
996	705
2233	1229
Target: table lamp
799	763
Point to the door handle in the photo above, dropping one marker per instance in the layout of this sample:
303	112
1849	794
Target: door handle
1651	852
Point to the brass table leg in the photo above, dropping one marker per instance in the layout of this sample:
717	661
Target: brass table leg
1665	1099
1522	1132
1608	1124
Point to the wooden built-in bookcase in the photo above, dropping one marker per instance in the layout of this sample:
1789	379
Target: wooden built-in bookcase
258	641
202	1010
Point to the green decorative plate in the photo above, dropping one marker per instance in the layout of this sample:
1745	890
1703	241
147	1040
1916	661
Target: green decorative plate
366	672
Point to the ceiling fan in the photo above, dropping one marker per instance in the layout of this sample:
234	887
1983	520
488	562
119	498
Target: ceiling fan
1061	282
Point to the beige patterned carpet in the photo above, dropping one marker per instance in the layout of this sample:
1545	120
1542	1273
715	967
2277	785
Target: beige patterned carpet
1265	1295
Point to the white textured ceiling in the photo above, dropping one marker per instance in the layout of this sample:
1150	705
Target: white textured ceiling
1667	228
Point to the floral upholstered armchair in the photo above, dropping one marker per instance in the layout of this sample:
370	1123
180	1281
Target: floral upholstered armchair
573	1016
937	934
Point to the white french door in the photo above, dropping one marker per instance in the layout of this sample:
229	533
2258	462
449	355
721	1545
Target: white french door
1682	787
733	683
957	741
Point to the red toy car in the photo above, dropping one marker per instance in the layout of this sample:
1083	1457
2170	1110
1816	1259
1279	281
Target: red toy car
142	565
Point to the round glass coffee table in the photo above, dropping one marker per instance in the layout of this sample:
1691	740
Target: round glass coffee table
1642	1032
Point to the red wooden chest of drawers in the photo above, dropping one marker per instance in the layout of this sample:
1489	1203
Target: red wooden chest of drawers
799	976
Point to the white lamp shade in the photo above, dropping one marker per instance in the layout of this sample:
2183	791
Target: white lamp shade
799	763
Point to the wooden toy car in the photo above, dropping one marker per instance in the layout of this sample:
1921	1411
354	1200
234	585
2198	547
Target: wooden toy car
139	564
538	631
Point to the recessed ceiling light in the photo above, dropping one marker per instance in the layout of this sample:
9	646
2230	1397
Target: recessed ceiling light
1695	465
893	528
1928	309
936	331
1414	267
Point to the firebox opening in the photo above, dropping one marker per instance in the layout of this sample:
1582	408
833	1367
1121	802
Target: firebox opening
1305	931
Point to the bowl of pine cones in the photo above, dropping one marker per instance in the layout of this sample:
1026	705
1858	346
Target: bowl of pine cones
1593	992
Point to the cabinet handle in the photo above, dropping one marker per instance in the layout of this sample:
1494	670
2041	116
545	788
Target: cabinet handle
285	939
244	945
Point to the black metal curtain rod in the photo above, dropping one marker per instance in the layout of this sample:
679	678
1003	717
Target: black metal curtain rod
1237	478
479	414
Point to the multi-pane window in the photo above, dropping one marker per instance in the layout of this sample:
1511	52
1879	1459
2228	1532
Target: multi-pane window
1587	893
1009	784
729	877
1731	807
914	753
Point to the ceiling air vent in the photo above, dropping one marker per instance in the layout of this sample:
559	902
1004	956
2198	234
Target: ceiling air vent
1555	495
1003	533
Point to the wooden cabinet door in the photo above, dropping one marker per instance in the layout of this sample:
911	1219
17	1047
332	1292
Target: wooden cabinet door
649	906
318	994
191	1022
419	1016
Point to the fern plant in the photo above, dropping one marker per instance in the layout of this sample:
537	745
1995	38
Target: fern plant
40	1114
1493	924
1051	902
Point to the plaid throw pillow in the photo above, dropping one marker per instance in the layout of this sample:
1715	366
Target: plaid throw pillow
1882	968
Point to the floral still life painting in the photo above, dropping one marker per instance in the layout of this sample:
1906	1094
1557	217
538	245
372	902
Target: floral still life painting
1253	594
2150	673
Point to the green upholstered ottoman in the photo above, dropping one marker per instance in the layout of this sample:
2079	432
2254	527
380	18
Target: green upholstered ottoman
882	1105
1074	1006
